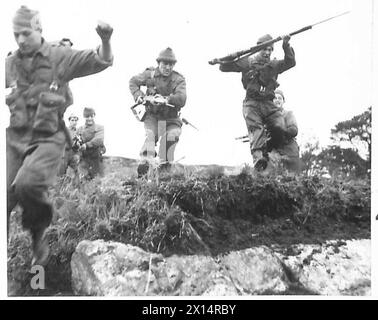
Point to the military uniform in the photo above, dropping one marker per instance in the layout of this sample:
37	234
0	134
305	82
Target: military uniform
36	135
161	121
259	79
288	152
71	157
91	158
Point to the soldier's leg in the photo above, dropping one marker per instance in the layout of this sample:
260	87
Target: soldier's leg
256	133
151	138
147	153
169	141
37	173
15	147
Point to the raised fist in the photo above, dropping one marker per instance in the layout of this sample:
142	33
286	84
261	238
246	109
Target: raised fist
104	30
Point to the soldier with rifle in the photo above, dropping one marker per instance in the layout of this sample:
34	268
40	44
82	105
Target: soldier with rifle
259	78
163	98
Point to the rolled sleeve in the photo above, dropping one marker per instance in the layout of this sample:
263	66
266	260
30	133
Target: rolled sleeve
178	97
81	63
138	81
288	61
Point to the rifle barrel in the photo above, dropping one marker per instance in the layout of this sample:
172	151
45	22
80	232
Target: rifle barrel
254	49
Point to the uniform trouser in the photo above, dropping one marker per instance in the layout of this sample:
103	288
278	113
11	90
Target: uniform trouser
69	159
31	170
289	155
258	114
168	131
92	163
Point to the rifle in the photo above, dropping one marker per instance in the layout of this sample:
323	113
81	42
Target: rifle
77	142
243	138
243	53
139	108
188	123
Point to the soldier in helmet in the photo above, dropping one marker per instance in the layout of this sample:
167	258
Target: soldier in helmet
164	87
38	74
92	147
259	78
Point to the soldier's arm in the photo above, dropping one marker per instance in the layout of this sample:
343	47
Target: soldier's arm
138	81
98	139
289	59
234	66
81	63
178	97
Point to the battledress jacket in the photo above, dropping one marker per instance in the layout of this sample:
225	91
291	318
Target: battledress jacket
173	87
260	78
40	95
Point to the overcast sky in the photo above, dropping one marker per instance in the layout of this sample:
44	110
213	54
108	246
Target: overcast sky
331	82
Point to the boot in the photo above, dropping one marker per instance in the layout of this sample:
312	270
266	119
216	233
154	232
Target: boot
40	248
143	169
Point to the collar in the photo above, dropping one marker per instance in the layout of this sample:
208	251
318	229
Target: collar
159	74
43	50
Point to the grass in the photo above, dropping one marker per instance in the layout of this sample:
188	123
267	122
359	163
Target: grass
191	210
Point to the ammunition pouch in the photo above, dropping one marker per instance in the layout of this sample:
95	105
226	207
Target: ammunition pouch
49	113
18	110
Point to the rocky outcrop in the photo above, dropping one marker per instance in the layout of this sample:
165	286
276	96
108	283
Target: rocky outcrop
335	268
115	269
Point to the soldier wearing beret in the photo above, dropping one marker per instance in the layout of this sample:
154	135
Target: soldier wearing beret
38	74
163	86
92	148
259	78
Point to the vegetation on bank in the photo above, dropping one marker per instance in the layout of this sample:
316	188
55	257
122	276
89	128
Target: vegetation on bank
189	211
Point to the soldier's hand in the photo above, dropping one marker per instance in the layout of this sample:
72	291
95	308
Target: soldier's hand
104	30
140	100
286	38
149	99
159	99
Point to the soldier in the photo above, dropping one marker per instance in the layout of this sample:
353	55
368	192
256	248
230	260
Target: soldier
259	78
38	74
71	157
288	151
164	86
92	147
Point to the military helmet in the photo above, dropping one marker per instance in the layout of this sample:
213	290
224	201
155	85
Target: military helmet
167	55
264	38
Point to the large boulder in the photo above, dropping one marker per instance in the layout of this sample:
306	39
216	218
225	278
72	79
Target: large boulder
115	269
334	268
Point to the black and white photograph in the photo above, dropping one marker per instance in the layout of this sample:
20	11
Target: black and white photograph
210	150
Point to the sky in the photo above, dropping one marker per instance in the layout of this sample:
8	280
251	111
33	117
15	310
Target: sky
331	82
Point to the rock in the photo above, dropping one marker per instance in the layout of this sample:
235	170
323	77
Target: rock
334	268
115	269
256	271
